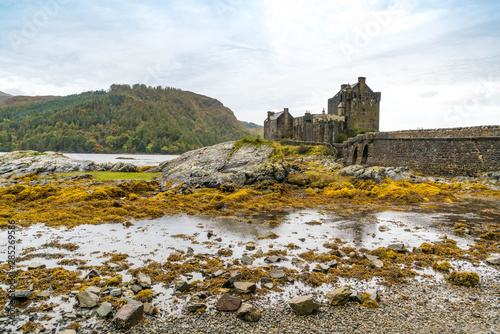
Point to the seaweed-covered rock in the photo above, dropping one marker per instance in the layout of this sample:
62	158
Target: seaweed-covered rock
339	296
376	173
464	278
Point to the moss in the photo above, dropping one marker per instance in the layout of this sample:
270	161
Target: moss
144	296
115	281
441	266
464	278
371	303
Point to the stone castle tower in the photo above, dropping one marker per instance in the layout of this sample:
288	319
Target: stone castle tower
353	107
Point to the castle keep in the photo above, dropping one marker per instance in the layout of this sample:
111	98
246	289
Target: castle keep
353	107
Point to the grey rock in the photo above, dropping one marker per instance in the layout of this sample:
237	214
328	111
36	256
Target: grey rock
144	280
104	310
74	292
266	280
248	312
181	285
94	289
355	297
339	296
87	299
36	265
68	331
43	294
493	259
195	306
321	268
268	285
374	294
277	274
383	228
247	260
69	316
149	309
227	303
93	273
244	287
332	264
304	305
129	315
229	284
399	247
115	292
272	259
250	246
136	288
377	263
22	295
218	273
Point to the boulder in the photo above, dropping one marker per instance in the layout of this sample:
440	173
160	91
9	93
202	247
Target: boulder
94	289
22	295
227	303
383	228
116	292
247	260
244	287
129	315
493	259
181	285
68	331
104	310
272	259
93	273
229	284
35	265
268	286
250	246
144	280
339	296
149	309
399	247
195	306
87	299
374	294
304	305
248	312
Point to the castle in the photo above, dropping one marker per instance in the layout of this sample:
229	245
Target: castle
353	107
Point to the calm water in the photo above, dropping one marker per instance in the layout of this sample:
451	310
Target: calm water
136	159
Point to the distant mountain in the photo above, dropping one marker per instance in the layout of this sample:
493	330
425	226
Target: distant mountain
4	96
123	119
250	125
20	100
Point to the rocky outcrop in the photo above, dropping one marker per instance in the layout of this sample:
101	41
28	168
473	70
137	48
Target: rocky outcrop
32	162
224	163
376	173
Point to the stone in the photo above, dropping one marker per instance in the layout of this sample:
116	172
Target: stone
115	292
36	265
218	273
87	299
43	294
74	292
355	297
399	247
136	288
339	296
229	284
268	286
22	295
377	263
443	236
195	306
332	264
93	273
374	294
371	257
302	265
228	303
321	268
128	293
104	310
266	280
383	228
68	331
493	259
129	315
144	280
181	285
247	260
244	287
304	305
277	274
94	289
149	309
69	316
250	246
272	259
248	312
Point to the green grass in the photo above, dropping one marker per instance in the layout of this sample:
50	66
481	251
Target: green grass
102	176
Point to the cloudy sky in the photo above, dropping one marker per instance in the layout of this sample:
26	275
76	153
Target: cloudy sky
437	63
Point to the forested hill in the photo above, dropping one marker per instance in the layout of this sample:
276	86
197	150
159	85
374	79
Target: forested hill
123	119
4	96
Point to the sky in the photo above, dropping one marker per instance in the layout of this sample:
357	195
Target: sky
436	63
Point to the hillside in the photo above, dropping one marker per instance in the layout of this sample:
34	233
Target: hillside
122	119
20	100
4	96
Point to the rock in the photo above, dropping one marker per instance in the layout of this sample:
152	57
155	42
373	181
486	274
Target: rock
383	228
144	280
377	263
375	173
228	303
43	294
304	305
196	306
250	246
94	289
74	292
181	285
128	293
493	259
35	265
218	273
93	273
332	264
339	296
374	294
22	295
302	265
244	287
68	331
268	286
136	288
229	284
443	236
69	316
87	299
355	297
321	268
266	280
104	310
399	247
277	274
272	259
115	292
220	164
247	260
129	315
149	309
248	312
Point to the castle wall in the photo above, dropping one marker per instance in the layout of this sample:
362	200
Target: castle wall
461	151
